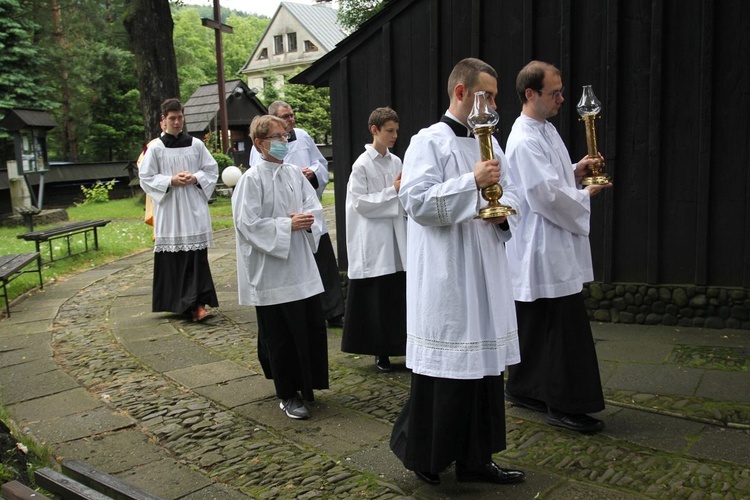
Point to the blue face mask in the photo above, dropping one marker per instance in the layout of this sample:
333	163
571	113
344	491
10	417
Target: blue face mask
279	149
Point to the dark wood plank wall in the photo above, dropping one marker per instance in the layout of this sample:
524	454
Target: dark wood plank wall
674	81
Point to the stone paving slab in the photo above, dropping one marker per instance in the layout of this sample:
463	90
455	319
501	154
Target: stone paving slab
656	431
725	386
9	375
158	345
655	379
159	329
719	443
182	358
37	386
165	478
631	350
79	425
113	452
238	392
54	406
23	340
38	350
209	374
12	328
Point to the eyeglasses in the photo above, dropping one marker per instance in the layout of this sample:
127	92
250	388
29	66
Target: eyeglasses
277	137
287	116
555	94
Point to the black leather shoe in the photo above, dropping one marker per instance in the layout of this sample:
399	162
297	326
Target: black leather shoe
428	477
574	422
337	322
524	402
383	363
490	473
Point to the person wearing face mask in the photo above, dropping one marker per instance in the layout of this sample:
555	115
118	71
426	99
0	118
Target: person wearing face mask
278	222
305	155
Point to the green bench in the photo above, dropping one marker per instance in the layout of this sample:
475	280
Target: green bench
67	231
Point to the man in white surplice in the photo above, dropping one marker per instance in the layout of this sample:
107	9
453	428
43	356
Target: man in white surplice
179	174
550	260
461	325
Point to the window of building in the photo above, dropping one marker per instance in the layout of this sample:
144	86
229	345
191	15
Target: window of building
310	47
278	42
291	41
263	54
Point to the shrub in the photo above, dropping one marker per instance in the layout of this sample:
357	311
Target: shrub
98	193
223	160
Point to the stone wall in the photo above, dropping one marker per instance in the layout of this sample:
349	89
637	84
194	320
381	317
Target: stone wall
699	306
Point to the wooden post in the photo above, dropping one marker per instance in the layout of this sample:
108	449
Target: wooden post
218	27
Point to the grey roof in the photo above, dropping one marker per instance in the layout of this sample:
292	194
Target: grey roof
18	118
203	105
319	20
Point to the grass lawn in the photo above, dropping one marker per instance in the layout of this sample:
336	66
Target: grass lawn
126	234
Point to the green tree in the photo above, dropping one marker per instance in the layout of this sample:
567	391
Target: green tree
353	13
22	82
312	109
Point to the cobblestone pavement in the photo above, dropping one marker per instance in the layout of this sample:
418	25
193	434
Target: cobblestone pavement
183	410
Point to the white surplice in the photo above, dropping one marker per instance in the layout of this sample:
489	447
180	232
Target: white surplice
461	322
549	255
182	221
275	265
375	222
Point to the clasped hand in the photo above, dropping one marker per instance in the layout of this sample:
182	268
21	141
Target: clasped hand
183	179
302	221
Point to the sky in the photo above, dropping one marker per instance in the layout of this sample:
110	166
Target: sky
263	7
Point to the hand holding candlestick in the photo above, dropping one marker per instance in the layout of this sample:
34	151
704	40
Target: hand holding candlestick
588	108
482	120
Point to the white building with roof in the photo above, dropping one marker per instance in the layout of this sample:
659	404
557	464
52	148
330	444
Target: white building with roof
297	36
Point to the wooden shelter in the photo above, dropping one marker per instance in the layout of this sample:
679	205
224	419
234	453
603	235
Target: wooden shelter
202	115
674	83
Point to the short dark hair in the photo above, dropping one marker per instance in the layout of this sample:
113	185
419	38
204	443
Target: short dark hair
171	104
380	116
532	75
467	71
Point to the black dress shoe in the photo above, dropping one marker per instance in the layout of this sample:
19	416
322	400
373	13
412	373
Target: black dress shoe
490	473
337	322
383	363
574	422
428	477
528	403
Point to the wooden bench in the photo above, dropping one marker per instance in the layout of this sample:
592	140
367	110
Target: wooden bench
12	267
80	480
66	231
15	490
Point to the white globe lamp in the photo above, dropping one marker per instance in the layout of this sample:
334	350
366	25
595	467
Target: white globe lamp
231	176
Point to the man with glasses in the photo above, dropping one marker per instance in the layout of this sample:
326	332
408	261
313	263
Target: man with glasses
550	259
305	154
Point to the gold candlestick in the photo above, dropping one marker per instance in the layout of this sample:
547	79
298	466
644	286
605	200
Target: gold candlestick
482	120
588	108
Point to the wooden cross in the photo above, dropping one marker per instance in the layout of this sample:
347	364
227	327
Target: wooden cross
218	27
